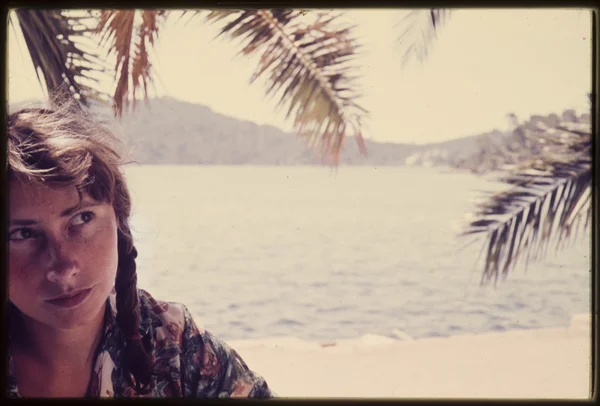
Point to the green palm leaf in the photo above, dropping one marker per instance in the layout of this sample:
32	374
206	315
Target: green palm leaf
57	56
307	67
549	198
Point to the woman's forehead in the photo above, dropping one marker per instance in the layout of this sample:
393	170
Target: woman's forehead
34	199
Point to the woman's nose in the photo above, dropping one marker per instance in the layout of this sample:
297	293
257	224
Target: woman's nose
62	264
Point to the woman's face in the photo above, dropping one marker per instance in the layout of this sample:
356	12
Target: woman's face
62	259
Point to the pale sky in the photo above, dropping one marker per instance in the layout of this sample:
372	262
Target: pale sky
484	65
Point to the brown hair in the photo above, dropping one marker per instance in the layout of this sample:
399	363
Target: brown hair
63	147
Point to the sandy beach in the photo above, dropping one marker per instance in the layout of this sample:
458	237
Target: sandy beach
544	363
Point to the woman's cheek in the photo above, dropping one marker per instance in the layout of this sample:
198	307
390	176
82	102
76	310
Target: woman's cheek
24	249
19	278
102	242
22	257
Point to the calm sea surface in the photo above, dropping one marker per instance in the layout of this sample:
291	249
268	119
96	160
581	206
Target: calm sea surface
320	254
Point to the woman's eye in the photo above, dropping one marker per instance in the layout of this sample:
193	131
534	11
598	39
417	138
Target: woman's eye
22	234
82	218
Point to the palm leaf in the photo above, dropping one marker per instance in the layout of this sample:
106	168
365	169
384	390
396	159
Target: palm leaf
57	57
548	199
130	34
418	29
190	14
306	65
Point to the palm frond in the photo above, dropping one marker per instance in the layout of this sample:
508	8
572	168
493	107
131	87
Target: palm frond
58	58
190	14
549	197
307	66
130	34
418	29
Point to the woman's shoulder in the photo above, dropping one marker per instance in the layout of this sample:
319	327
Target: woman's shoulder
173	321
209	367
166	311
170	321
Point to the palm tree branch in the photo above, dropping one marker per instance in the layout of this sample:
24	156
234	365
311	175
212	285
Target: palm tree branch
130	34
56	55
305	65
418	30
547	200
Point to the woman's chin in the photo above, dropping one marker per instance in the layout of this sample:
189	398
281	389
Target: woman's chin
79	316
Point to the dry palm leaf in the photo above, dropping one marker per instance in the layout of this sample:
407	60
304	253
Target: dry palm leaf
130	34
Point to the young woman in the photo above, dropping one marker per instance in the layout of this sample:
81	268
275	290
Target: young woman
78	324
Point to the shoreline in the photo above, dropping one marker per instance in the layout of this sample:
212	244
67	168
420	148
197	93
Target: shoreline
579	323
550	363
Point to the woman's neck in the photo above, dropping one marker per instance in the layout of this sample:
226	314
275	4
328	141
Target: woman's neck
56	348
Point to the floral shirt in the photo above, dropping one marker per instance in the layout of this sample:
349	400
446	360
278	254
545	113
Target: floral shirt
189	361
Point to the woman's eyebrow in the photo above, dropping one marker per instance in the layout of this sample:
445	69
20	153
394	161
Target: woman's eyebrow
66	212
19	222
79	206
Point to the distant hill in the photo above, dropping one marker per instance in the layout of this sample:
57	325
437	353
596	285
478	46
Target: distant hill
169	131
499	151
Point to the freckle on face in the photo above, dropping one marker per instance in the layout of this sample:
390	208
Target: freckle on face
89	257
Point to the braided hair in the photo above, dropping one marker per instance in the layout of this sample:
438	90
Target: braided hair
137	362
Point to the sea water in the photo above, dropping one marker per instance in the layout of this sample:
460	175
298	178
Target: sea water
324	254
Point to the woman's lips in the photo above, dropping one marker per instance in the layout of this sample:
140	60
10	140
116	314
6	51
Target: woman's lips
71	301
